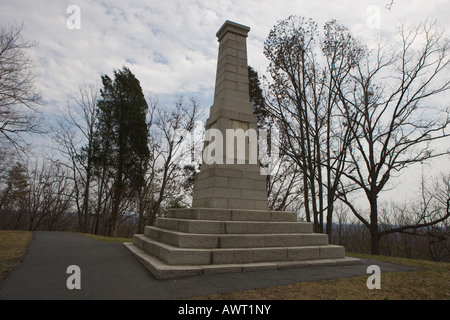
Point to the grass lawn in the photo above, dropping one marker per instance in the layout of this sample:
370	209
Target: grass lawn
431	283
13	246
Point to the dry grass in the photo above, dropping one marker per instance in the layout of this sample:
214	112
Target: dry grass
433	283
13	247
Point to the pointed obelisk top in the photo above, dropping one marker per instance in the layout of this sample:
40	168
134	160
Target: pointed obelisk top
230	26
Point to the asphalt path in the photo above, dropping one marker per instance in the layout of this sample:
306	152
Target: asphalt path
108	271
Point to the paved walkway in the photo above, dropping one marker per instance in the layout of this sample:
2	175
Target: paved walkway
109	271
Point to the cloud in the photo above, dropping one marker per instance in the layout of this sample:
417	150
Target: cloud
171	45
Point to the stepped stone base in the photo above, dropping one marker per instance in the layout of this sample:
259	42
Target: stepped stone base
199	241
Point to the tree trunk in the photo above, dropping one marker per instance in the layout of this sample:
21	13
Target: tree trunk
115	211
374	233
141	209
86	195
118	191
99	201
306	195
329	214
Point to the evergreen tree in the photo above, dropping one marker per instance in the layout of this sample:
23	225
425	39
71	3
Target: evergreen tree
256	97
121	142
13	200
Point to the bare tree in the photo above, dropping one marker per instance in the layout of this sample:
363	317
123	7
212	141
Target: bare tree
13	198
428	217
284	187
37	198
49	195
75	136
58	197
169	167
395	123
172	128
302	98
18	96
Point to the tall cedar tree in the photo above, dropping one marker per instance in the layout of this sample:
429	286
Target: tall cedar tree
121	142
256	97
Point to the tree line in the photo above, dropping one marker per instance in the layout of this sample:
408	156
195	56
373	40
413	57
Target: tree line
112	160
354	117
351	118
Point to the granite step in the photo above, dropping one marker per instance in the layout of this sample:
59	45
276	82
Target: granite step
232	214
232	227
162	271
188	256
193	240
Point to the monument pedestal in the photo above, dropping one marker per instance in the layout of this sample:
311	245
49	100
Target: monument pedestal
197	241
230	187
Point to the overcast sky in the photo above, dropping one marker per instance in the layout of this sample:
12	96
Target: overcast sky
171	45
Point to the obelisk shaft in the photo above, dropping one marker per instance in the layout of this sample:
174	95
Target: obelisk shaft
231	181
231	91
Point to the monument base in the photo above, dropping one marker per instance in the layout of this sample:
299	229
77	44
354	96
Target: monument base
197	241
230	187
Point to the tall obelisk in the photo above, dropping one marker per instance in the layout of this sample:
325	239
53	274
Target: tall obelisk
229	228
230	175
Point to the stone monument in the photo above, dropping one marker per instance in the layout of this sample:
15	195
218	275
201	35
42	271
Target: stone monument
229	227
230	181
